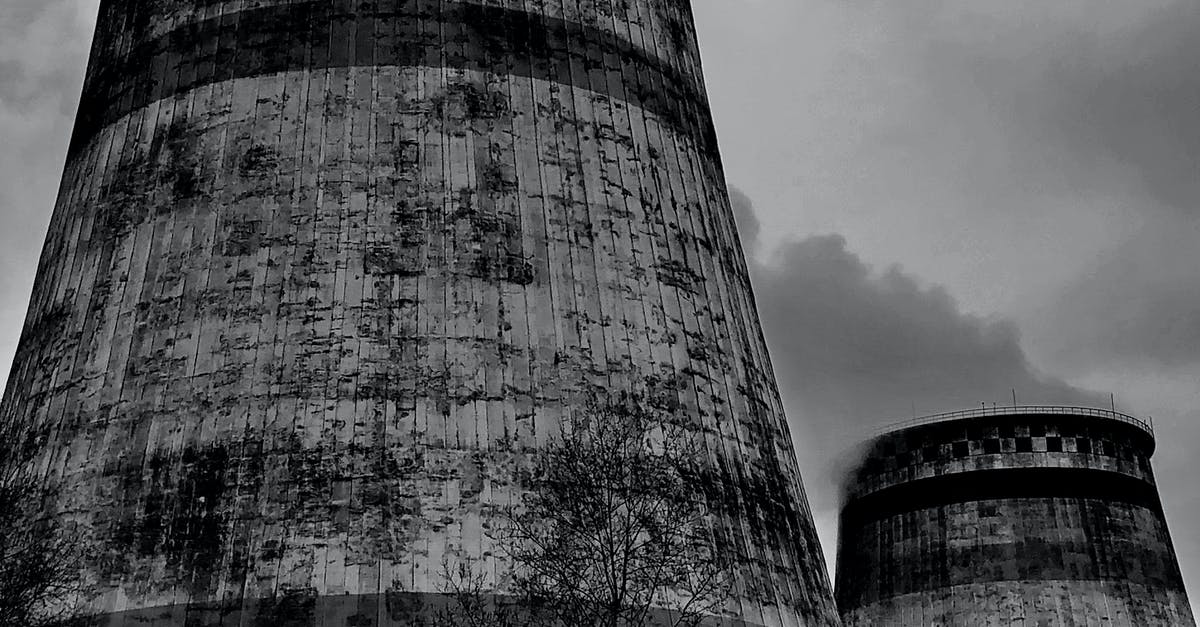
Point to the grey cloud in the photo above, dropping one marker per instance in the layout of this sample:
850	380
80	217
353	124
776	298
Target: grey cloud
43	52
1135	100
1126	107
1102	93
1092	101
43	47
1138	307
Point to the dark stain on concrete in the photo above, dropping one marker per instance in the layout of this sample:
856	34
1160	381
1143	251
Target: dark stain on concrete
385	260
465	103
292	608
243	237
679	275
257	161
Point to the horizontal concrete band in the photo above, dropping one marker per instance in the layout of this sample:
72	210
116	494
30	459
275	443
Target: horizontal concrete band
941	566
297	609
1002	483
935	533
316	35
1062	602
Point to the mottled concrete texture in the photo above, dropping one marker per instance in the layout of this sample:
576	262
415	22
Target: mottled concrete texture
322	274
1038	518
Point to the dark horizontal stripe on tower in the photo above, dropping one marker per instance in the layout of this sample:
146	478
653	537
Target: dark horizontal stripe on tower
1002	483
316	35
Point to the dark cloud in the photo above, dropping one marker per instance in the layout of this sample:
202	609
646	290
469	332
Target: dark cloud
856	349
747	222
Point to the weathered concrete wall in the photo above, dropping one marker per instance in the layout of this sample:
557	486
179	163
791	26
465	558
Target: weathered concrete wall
1031	519
322	274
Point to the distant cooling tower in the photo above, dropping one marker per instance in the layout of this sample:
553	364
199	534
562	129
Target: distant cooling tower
1017	515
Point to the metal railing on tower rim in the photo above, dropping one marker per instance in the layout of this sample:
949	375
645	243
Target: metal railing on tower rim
1017	410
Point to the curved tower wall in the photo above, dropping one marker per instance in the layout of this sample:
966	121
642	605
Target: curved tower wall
321	274
1041	516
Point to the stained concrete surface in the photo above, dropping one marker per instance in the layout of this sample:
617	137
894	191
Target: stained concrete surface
322	276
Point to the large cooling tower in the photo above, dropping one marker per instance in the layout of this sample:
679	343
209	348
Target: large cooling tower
322	274
1016	515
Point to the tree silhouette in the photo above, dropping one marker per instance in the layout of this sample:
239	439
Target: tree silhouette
470	604
37	562
613	530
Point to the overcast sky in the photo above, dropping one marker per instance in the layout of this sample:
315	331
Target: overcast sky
945	199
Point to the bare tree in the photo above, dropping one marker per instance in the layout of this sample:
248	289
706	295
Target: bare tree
470	604
38	578
614	526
